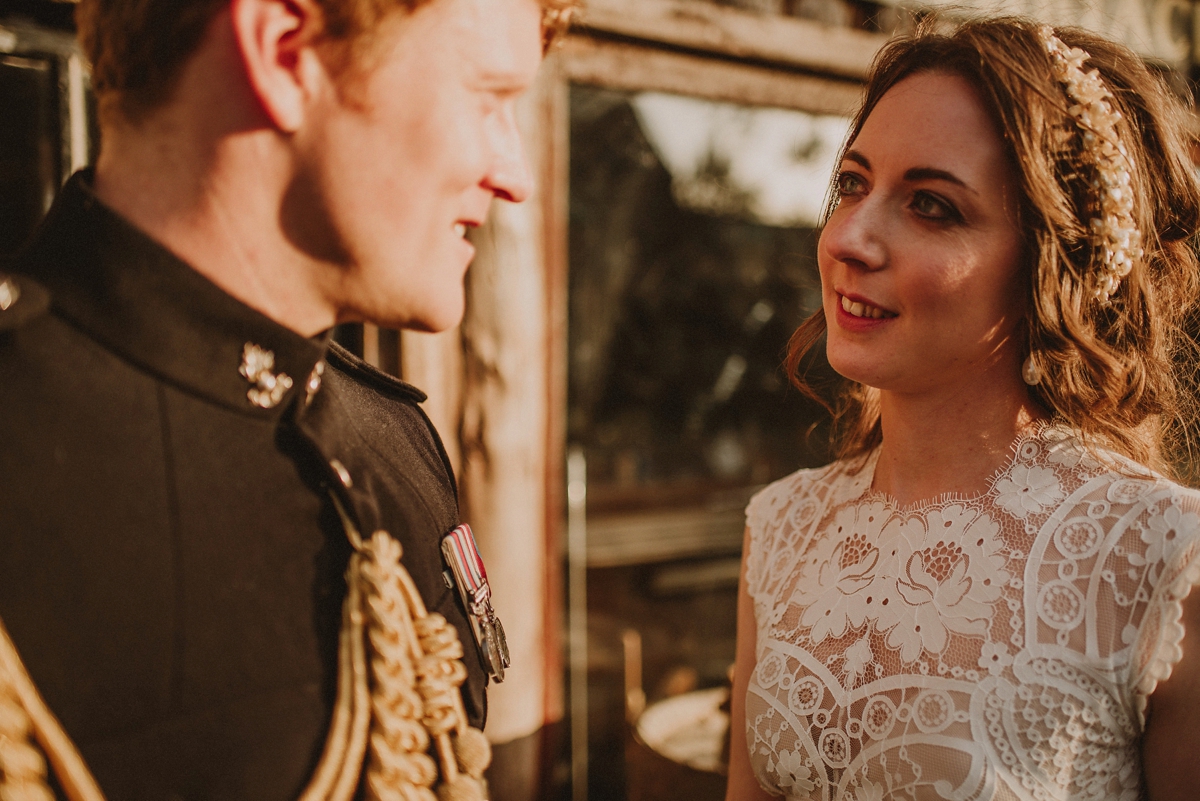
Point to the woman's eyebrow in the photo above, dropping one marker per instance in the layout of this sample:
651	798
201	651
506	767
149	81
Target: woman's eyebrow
934	174
915	174
858	158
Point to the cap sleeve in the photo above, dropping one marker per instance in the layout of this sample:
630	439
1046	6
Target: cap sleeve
780	519
1157	650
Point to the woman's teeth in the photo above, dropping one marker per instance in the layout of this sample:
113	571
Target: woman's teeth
857	309
460	229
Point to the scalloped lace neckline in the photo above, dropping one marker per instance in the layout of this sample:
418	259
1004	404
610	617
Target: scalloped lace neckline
866	476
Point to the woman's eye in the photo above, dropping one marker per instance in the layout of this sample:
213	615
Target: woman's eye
849	183
933	207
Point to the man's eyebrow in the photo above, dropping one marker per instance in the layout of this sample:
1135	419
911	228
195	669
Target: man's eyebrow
500	79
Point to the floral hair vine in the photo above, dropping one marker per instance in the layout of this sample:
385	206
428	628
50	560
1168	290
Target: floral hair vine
1114	232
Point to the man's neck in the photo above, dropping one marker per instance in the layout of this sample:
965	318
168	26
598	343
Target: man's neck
952	440
220	213
208	179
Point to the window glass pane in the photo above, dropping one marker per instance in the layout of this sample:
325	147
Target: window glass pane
692	261
30	145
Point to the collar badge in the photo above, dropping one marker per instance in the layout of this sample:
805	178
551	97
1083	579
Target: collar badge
258	365
10	293
314	383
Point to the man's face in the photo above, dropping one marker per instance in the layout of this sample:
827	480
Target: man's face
398	162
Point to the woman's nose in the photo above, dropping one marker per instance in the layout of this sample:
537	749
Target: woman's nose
855	234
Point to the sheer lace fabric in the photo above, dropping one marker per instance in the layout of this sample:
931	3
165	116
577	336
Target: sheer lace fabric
996	647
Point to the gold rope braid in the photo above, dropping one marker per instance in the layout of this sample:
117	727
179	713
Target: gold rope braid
400	672
24	720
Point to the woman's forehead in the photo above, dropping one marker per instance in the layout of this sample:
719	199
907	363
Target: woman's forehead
933	120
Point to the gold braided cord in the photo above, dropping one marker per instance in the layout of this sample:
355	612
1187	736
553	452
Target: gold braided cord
24	719
337	772
416	672
400	672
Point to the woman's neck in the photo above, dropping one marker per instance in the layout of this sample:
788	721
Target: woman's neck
940	443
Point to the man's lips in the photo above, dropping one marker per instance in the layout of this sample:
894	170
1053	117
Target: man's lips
462	226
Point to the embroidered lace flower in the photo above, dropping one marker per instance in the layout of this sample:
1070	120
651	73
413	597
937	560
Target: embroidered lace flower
869	791
1028	490
1164	533
832	594
948	575
994	658
1114	232
792	771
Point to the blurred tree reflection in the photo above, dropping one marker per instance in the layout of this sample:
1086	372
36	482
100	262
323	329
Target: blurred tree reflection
679	319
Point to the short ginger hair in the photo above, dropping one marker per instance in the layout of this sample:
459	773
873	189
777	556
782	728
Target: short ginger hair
137	48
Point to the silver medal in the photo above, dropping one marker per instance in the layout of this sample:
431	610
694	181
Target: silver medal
470	577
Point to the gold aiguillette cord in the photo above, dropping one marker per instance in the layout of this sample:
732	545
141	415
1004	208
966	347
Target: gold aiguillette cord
399	673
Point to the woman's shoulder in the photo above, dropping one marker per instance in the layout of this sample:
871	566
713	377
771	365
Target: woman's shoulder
1122	479
1139	529
807	486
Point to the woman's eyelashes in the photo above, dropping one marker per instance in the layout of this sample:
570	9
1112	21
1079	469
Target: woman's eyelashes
924	203
850	183
932	207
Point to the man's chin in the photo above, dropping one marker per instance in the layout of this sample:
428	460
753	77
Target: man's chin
426	321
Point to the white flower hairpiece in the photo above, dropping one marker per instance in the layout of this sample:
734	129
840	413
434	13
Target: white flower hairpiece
1114	232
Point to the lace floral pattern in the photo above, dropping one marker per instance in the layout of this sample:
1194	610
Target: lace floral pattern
988	648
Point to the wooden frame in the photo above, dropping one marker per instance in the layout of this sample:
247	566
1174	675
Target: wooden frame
19	39
637	67
712	30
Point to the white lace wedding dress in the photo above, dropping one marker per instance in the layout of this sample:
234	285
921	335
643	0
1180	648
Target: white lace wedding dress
996	647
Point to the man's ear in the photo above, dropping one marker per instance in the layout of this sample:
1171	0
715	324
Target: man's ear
277	42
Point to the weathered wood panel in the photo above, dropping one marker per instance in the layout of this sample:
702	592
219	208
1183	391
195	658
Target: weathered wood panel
632	67
784	41
554	119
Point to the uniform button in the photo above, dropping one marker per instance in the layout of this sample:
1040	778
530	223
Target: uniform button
314	382
9	294
342	473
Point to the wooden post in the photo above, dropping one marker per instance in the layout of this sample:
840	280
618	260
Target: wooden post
497	391
434	364
370	336
510	429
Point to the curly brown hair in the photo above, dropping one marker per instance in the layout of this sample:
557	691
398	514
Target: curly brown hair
1121	372
137	48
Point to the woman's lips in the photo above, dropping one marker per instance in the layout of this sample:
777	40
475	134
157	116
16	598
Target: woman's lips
857	314
856	308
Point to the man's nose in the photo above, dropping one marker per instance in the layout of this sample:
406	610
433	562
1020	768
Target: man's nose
510	177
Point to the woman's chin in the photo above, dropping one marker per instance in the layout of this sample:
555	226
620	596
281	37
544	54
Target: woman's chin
867	372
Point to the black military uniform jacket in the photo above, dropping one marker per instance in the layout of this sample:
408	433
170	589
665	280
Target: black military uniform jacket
171	566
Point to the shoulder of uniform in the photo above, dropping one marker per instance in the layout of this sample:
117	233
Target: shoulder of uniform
357	370
22	300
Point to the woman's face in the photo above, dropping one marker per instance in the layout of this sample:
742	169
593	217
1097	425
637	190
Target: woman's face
920	260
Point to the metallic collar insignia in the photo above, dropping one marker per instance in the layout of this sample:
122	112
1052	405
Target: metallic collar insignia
314	383
10	293
257	367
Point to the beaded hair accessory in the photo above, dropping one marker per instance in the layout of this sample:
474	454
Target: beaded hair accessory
1114	232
